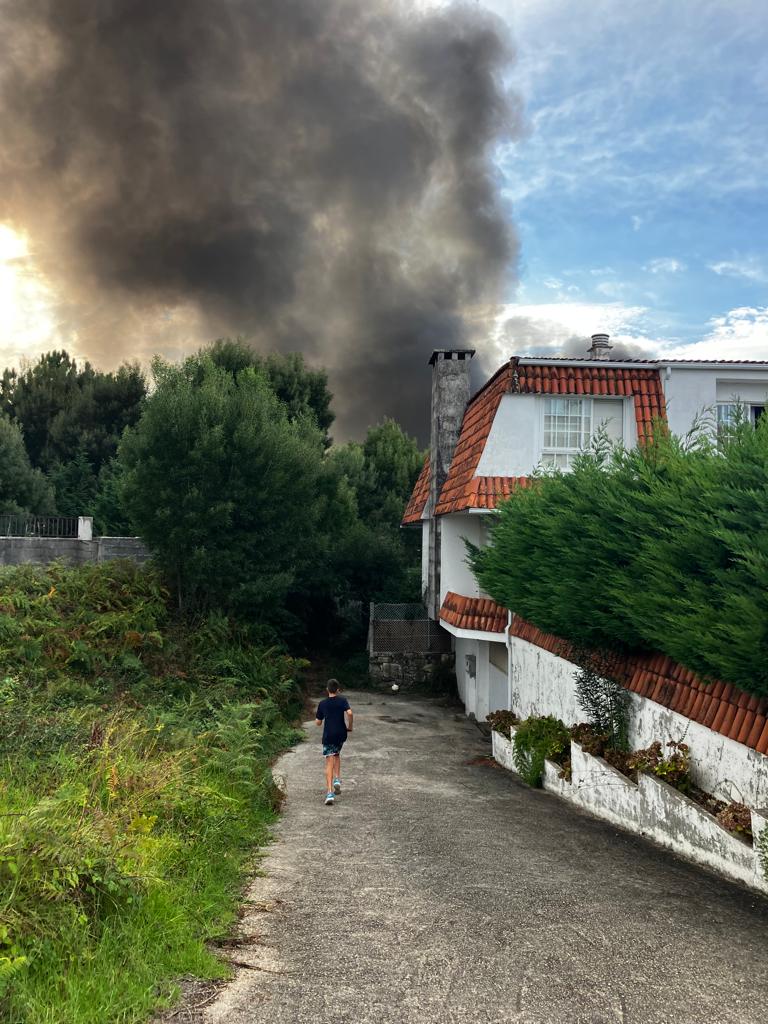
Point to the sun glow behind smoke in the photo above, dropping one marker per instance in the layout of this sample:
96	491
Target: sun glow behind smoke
27	324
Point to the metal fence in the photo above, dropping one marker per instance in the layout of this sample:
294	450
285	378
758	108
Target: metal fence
405	629
38	526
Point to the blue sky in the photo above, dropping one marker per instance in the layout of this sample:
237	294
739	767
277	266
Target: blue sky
640	191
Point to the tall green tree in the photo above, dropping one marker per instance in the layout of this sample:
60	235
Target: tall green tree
301	390
22	488
67	410
221	485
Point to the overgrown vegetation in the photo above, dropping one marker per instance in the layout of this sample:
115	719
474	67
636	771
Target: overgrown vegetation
537	740
134	785
662	548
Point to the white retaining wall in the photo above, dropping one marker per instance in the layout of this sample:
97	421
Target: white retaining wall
543	684
650	808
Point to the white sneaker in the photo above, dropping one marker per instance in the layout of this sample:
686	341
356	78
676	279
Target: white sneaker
337	786
329	798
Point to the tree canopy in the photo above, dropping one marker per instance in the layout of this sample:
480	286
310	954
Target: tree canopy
22	488
220	483
302	390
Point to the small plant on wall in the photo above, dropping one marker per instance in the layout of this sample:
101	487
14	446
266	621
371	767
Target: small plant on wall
674	768
536	740
502	721
604	701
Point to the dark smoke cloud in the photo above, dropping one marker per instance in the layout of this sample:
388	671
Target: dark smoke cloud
314	174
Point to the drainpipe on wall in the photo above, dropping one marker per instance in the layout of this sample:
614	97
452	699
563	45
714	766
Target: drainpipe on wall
508	634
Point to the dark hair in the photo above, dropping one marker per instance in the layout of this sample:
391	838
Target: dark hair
333	686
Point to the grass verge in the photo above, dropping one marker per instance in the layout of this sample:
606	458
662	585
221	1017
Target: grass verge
134	787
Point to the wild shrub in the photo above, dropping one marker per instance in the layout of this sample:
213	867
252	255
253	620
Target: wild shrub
536	740
606	703
674	769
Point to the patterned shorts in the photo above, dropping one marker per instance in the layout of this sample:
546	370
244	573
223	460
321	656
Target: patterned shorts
331	749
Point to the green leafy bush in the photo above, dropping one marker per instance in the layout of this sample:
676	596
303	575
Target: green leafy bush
536	740
687	517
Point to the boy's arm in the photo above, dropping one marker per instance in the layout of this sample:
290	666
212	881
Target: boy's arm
319	716
348	716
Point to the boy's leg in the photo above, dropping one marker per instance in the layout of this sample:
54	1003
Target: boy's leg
337	767
329	765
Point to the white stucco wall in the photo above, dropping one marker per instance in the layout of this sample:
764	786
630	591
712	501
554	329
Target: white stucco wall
651	808
513	447
689	391
515	442
467	686
455	574
543	684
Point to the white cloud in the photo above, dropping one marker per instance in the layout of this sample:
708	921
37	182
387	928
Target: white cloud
749	267
553	282
637	222
665	265
564	328
741	333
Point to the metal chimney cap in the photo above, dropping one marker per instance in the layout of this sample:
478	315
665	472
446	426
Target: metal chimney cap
600	346
450	353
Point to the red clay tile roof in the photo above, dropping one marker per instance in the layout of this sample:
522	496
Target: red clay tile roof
475	429
478	613
641	383
419	497
718	706
488	491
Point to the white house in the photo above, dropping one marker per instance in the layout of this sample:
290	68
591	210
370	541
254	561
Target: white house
535	411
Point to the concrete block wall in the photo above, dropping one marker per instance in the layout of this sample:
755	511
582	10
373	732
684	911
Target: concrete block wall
43	550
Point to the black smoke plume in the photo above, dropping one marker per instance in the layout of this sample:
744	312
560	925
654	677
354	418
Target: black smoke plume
316	175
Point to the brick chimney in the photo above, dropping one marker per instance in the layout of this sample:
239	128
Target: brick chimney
600	347
450	394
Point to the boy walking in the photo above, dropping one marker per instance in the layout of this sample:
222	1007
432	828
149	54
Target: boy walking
335	716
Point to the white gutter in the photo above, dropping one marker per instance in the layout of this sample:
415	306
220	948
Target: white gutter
650	364
471	634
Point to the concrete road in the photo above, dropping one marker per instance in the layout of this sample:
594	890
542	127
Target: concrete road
439	889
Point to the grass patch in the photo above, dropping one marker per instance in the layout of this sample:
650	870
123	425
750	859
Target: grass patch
134	786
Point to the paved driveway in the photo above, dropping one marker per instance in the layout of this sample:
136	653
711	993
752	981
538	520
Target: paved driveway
439	889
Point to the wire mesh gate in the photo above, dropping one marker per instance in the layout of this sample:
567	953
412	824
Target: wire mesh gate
405	629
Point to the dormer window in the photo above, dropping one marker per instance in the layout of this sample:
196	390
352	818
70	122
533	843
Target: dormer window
567	430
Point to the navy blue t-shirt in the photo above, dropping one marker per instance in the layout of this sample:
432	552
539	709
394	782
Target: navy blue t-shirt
331	712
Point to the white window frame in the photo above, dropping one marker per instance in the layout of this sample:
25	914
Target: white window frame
565	453
726	412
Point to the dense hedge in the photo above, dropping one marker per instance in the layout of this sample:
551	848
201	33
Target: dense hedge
662	548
